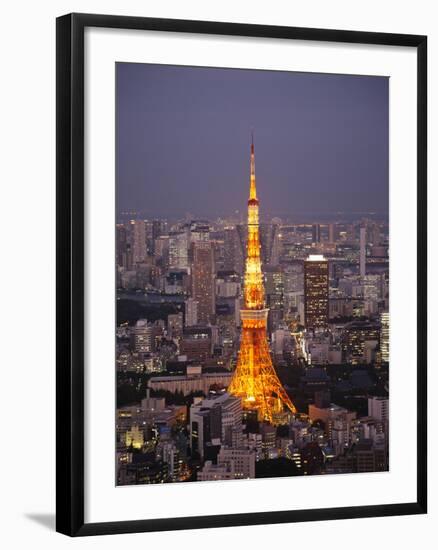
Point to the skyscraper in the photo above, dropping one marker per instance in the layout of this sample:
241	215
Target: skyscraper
178	250
331	233
270	243
362	251
121	245
157	229
316	233
161	249
255	380
233	257
274	286
203	289
199	231
137	239
374	234
316	292
191	318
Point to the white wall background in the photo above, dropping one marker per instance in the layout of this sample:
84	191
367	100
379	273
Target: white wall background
27	305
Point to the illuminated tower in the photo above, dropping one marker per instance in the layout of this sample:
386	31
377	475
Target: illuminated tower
255	379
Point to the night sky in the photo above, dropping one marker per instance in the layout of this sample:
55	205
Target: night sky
183	138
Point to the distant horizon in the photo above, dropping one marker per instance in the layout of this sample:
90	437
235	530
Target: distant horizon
302	218
183	137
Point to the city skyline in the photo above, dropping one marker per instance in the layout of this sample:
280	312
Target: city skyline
248	346
323	138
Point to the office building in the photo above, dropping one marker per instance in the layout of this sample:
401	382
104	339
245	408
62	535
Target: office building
203	280
316	292
354	336
191	312
378	408
137	238
179	250
141	337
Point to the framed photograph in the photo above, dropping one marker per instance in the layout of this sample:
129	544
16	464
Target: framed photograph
241	274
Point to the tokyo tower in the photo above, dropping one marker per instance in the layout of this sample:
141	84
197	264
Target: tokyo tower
255	379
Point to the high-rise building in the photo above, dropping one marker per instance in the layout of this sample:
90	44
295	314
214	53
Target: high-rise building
255	380
378	408
355	335
217	421
231	420
274	286
121	245
175	324
316	233
154	229
203	280
233	257
161	249
268	433
384	335
227	289
331	233
322	399
374	234
179	250
316	292
350	233
191	318
168	452
294	278
338	424
199	231
362	251
281	339
197	343
158	227
143	274
372	293
141	337
137	238
270	244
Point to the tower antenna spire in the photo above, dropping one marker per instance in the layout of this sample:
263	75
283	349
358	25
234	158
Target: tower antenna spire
252	185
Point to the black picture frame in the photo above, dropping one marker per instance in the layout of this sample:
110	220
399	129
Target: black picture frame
70	273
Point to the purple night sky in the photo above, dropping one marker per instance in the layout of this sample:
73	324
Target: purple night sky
183	139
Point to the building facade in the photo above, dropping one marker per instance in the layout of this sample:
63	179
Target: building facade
203	280
316	292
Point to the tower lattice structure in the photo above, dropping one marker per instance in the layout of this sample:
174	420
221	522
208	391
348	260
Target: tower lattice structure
255	380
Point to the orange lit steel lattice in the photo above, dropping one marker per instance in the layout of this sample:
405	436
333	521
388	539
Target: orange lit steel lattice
255	379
